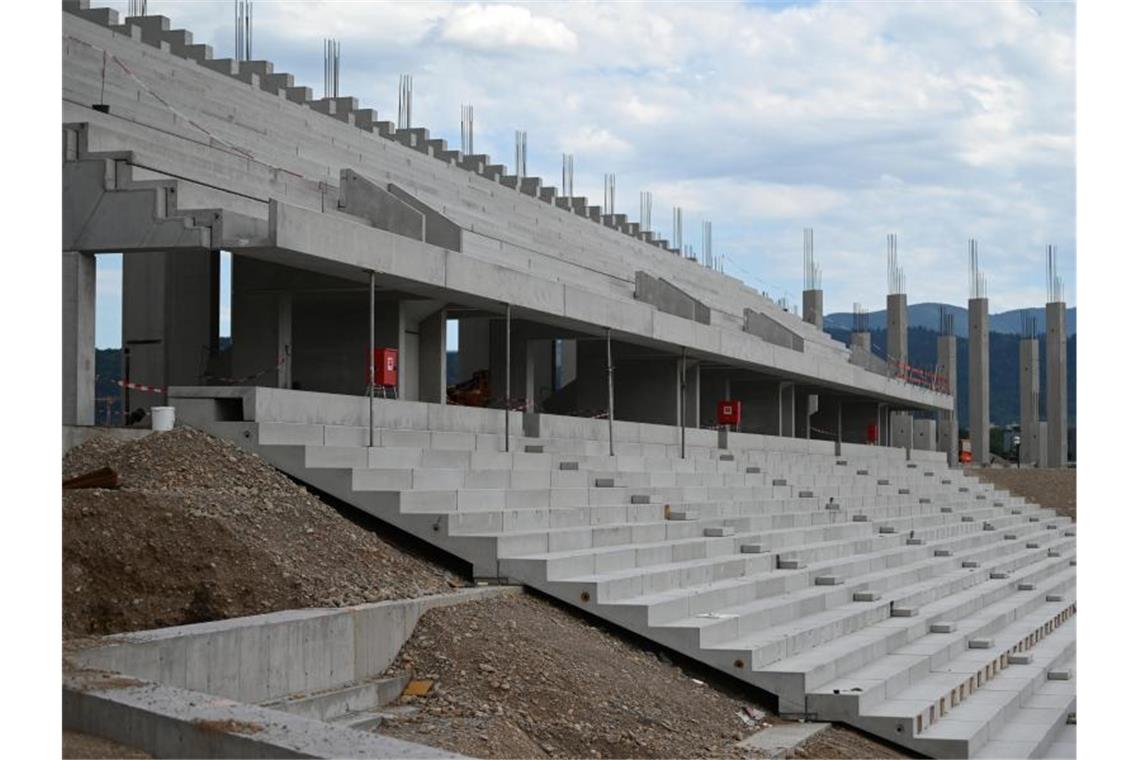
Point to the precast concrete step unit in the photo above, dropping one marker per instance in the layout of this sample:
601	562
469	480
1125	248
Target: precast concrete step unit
933	610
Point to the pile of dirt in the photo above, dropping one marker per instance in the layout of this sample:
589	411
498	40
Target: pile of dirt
1055	488
202	530
519	677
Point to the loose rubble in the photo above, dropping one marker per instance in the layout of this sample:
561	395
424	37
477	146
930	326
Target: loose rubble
202	530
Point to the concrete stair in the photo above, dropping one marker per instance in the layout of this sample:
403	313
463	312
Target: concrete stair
721	558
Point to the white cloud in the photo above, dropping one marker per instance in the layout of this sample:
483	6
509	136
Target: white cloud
940	121
504	27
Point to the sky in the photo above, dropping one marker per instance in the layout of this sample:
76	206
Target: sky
939	122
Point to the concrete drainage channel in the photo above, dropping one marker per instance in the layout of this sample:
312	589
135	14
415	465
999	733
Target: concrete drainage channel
299	683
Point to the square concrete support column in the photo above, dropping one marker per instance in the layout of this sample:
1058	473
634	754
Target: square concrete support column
474	346
861	340
813	307
539	369
1056	383
902	430
1029	391
786	392
433	358
693	395
568	364
980	380
884	421
170	318
924	435
948	421
285	340
897	323
78	338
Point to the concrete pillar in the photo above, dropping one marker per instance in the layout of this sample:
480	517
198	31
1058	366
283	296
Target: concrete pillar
883	422
285	340
980	380
693	395
569	362
924	434
1056	383
813	307
474	346
786	392
169	324
948	421
78	338
838	427
861	340
897	323
1029	387
433	358
902	430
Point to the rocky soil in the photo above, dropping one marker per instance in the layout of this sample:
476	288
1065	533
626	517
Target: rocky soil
1054	488
519	677
202	530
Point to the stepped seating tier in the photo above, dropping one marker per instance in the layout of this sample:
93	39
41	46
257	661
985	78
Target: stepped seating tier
902	597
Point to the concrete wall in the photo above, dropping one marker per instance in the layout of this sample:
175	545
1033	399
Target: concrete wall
925	434
980	380
78	338
264	657
1056	384
1029	392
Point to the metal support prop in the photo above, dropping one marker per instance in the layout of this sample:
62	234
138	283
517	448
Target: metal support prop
610	384
684	373
371	354
507	405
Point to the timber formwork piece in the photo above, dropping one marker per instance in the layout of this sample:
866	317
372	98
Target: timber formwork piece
870	585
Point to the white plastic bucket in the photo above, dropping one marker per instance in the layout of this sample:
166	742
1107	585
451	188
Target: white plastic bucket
162	418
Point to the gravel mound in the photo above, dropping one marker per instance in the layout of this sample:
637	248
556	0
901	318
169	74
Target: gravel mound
202	530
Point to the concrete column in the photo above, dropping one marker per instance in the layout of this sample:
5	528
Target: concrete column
569	362
167	319
838	427
786	391
1056	383
861	340
902	430
433	358
1029	388
693	395
883	421
948	421
813	307
897	323
474	346
285	340
78	338
924	434
980	380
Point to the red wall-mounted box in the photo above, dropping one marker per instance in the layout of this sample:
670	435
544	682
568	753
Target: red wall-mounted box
386	361
728	412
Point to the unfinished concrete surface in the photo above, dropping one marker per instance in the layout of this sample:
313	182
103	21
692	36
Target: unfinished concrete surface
244	687
980	380
810	568
1056	384
1029	394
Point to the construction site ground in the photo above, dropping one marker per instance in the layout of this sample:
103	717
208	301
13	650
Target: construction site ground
202	530
1055	488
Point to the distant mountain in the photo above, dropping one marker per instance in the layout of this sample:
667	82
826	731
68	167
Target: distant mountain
926	315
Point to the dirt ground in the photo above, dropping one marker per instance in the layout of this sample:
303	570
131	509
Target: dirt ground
85	746
843	743
520	677
202	530
1055	488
